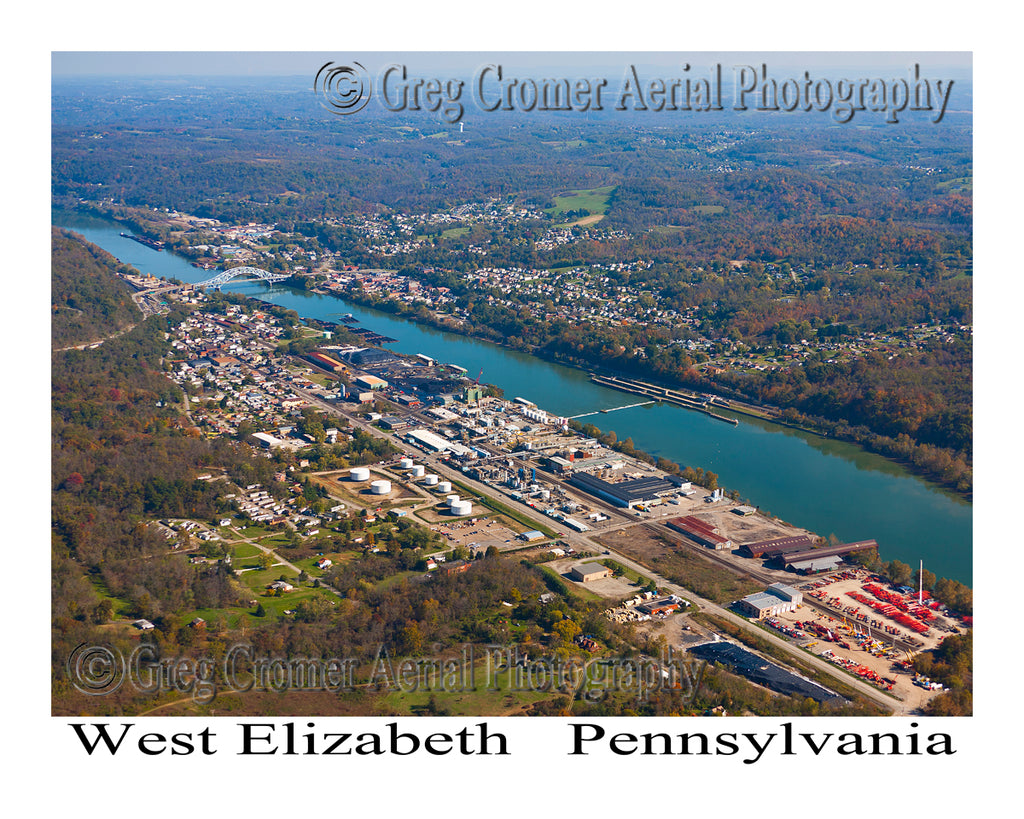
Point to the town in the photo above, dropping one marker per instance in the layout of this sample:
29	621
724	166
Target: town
490	475
595	294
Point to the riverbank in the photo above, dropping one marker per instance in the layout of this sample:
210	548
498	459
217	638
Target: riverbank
829	486
884	446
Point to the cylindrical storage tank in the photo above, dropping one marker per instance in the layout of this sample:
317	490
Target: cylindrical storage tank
380	487
430	480
451	499
462	507
444	486
359	473
405	463
418	471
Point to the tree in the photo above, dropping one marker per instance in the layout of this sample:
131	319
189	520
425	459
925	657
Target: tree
103	611
265	561
567	630
313	609
899	573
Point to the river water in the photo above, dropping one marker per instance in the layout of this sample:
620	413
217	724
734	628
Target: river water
823	485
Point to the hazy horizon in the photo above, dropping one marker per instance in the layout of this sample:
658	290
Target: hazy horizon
170	64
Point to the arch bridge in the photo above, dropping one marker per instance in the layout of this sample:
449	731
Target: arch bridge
257	273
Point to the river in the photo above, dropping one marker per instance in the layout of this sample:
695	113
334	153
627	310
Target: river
827	486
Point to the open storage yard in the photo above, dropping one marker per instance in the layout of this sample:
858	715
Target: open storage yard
859	637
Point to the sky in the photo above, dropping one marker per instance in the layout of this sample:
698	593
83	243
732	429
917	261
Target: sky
281	63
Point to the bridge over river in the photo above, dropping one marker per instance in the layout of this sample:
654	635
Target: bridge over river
243	273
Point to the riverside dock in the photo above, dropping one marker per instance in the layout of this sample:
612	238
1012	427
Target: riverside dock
660	394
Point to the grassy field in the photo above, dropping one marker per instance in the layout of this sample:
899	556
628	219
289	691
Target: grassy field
962	184
245	554
594	201
322	380
564	143
274	607
465	693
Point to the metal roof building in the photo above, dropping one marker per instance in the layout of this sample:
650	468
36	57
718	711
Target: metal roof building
627	493
435	442
584	572
777	546
701	532
776	599
825	564
789	559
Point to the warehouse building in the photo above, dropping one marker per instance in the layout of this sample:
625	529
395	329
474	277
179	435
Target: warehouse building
703	533
432	441
824	564
790	560
776	599
268	441
628	493
371	382
778	546
326	362
585	572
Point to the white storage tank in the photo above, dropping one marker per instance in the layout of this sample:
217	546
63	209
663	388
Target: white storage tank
359	473
430	480
444	486
380	487
451	499
405	463
462	507
418	471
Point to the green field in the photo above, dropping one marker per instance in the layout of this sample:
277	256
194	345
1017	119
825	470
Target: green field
274	607
477	700
594	201
962	184
560	144
245	551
